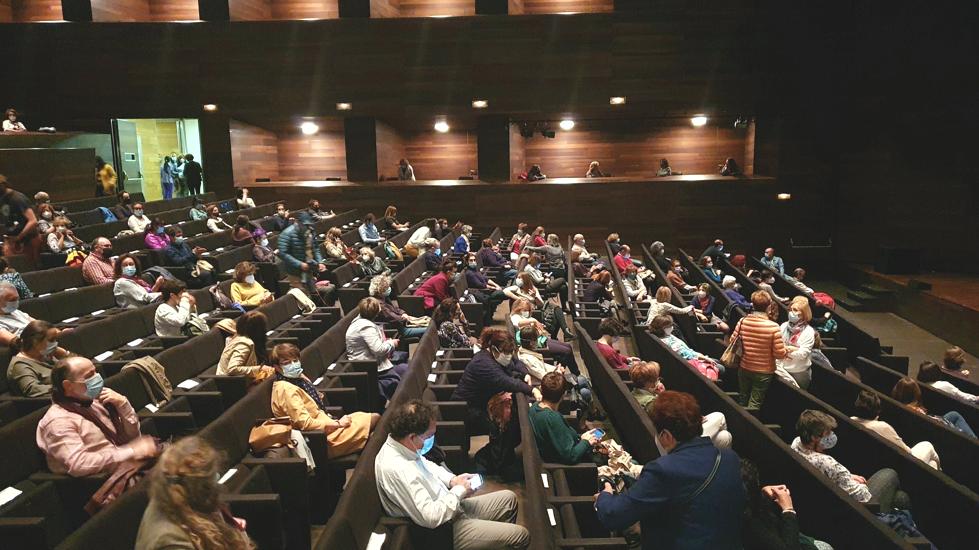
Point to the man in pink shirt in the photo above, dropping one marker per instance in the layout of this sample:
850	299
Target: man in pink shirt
89	429
97	268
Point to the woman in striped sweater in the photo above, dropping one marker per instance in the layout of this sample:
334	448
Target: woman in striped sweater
763	344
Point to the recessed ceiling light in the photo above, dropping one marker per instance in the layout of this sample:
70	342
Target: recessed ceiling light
783	196
480	104
309	128
344	106
441	126
210	107
698	120
567	124
616	100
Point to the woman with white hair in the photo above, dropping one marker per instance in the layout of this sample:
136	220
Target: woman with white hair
407	325
462	241
368	264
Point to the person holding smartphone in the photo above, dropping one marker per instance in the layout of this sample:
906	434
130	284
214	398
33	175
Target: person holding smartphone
557	441
413	487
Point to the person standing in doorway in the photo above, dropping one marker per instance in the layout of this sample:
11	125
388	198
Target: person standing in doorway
193	173
167	173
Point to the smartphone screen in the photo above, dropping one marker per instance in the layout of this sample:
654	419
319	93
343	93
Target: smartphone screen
476	481
599	433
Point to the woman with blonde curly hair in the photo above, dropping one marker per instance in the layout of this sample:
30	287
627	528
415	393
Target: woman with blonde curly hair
185	509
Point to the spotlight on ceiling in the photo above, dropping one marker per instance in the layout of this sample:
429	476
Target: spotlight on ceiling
698	120
344	106
441	126
210	107
616	100
567	124
309	128
783	196
480	104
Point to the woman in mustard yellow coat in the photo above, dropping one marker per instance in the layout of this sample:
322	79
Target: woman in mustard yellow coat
294	396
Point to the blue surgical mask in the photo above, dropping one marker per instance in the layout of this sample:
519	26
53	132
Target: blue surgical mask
438	251
427	446
160	230
129	270
793	317
180	239
292	370
472	265
828	442
137	212
93	386
11	306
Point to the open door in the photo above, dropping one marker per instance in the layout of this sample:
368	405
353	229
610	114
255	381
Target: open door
125	143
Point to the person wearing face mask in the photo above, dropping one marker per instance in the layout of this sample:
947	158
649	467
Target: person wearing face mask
36	349
485	290
246	290
688	497
557	441
707	266
436	288
62	240
703	305
614	242
369	233
242	200
366	341
180	254
98	267
432	255
368	264
316	212
12	319
647	386
89	429
635	288
139	221
662	306
156	237
461	245
45	213
10	275
215	223
675	277
293	395
815	436
262	250
130	290
770	521
124	208
185	509
610	331
763	345
334	247
408	326
597	289
302	257
193	173
10	122
766	282
167	177
732	291
174	313
198	211
246	353
799	338
429	495
579	253
662	327
280	220
450	322
244	231
518	241
715	251
773	262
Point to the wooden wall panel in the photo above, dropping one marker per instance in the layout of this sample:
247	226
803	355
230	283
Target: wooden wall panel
174	10
566	6
749	150
254	153
515	7
385	8
390	151
314	157
518	152
429	8
120	10
635	151
305	9
64	173
25	11
441	156
6	13
250	10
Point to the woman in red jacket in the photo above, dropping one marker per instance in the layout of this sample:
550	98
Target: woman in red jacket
436	288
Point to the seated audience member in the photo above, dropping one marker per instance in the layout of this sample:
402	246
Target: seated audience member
139	221
662	306
415	246
662	327
674	506
552	283
367	342
635	287
198	211
391	218
594	171
666	170
491	257
623	258
707	266
770	521
715	251
610	331
215	223
124	208
763	345
930	373
88	429
579	253
552	254
36	350
45	217
300	254
815	435
294	396
280	220
519	240
730	168
797	278
773	262
562	352
246	290
175	311
531	342
647	386
243	231
703	304
598	288
731	290
658	251
130	290
553	317
952	361
62	240
738	261
461	245
98	267
12	319
535	174
405	171
179	254
185	510
156	237
436	288
557	441
42	197
799	338
427	494
262	251
450	322
614	243
485	290
765	280
316	212
675	277
907	392
369	265
393	316
10	275
442	229
245	353
369	234
334	247
432	255
242	200
10	122
867	409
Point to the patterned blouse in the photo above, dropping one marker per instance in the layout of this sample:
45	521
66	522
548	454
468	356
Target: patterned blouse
836	472
452	335
15	279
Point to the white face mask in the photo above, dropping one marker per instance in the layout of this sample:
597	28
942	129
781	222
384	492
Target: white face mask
365	257
793	317
504	358
250	279
518	283
525	314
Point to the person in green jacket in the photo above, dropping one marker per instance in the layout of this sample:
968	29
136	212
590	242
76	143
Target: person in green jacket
557	441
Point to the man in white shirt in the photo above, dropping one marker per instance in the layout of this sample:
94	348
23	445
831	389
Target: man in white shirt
413	487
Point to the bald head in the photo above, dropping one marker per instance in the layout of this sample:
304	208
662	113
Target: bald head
69	375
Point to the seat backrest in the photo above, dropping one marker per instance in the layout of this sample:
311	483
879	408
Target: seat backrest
53	280
229	433
19	453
